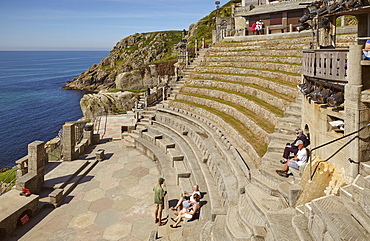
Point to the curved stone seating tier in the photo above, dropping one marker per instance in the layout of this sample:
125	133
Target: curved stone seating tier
255	107
200	173
259	72
291	68
251	157
267	42
259	46
226	181
272	98
259	52
289	90
255	128
251	58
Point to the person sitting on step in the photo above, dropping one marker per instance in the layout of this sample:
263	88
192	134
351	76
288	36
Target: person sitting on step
293	147
188	211
187	199
299	159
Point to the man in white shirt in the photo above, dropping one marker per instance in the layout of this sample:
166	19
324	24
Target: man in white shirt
299	159
185	201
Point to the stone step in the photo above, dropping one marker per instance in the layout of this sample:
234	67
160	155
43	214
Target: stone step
218	229
295	107
164	144
365	168
280	224
263	65
294	114
290	91
338	220
280	59
266	52
284	129
291	122
272	158
150	136
174	155
184	184
282	138
260	46
262	202
277	147
269	170
181	171
233	226
359	214
266	184
205	234
250	71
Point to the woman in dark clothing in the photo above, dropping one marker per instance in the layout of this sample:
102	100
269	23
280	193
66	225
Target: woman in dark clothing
292	148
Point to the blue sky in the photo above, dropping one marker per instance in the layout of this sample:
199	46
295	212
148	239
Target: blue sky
91	24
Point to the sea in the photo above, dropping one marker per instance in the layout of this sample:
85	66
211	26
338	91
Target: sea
32	104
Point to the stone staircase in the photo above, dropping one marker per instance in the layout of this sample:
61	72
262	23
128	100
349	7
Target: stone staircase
242	96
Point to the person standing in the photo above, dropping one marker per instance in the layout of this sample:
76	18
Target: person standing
159	201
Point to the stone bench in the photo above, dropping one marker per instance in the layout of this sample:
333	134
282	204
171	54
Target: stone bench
13	207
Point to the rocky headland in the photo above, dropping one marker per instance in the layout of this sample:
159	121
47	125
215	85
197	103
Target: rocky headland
134	63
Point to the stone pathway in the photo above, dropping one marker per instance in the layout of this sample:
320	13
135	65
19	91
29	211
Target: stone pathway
116	204
113	126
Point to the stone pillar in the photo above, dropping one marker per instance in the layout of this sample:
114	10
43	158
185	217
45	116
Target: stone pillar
362	27
36	157
203	43
196	47
34	179
356	112
69	141
290	28
284	21
267	30
89	133
187	59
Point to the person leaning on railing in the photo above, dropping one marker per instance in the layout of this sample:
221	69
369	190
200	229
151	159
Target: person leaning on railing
366	51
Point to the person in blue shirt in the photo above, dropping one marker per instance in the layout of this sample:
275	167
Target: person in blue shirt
366	51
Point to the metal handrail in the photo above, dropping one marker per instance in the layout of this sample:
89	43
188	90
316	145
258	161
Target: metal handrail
336	152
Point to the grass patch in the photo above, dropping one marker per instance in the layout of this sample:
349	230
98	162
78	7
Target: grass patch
274	56
5	175
249	61
253	116
270	70
255	86
252	75
256	100
258	145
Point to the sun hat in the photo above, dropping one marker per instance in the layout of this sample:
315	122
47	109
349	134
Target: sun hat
160	179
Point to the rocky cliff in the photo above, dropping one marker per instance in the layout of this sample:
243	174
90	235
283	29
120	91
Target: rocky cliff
94	104
134	63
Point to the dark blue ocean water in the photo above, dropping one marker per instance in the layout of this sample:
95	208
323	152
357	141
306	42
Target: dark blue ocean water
32	105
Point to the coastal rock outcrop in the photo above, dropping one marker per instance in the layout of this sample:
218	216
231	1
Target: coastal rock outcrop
94	104
134	63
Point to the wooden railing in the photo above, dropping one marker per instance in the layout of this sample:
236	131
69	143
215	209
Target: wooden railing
328	64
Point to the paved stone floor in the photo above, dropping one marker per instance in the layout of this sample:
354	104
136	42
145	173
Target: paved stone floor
116	204
113	125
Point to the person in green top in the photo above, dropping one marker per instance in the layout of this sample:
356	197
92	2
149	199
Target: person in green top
158	201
